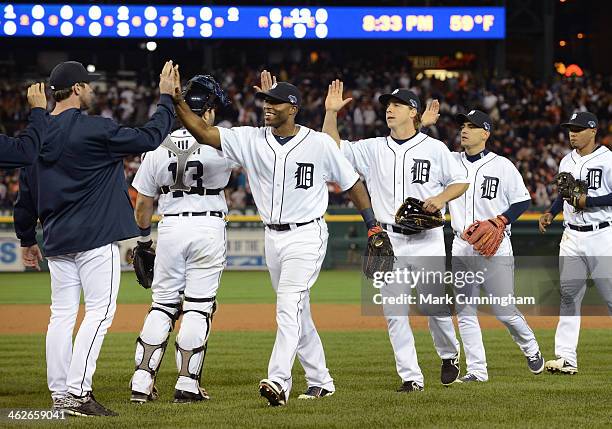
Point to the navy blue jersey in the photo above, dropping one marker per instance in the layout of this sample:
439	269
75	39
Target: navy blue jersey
77	185
20	151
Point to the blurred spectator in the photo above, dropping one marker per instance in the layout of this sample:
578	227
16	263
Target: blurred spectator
527	114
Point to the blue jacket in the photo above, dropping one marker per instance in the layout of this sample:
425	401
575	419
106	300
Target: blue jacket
20	151
77	185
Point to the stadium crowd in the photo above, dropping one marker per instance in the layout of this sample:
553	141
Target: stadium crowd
526	114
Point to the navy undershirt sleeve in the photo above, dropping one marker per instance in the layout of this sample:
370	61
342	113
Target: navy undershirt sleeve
601	201
516	210
557	206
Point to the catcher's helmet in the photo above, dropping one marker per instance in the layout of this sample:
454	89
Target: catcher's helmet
202	92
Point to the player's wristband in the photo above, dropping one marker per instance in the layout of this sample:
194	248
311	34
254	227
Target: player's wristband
368	217
145	234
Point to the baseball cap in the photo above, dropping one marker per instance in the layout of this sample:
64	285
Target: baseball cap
403	95
476	117
283	92
581	120
66	74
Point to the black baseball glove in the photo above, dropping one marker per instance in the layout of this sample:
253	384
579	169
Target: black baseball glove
569	188
413	217
379	256
144	262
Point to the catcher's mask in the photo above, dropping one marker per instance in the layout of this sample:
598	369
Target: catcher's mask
203	92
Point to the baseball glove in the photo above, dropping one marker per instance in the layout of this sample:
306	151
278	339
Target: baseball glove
486	235
379	256
569	188
144	262
413	217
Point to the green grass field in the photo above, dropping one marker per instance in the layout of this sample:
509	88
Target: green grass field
361	363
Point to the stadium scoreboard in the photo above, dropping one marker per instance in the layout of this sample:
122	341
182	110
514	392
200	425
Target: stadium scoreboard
250	22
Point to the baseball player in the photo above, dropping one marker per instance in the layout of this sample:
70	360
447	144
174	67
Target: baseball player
20	151
497	197
288	166
586	244
77	189
408	163
190	254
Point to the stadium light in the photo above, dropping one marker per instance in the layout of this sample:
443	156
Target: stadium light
91	68
580	35
151	46
562	43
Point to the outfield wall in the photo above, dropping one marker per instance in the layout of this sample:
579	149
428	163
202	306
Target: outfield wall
245	242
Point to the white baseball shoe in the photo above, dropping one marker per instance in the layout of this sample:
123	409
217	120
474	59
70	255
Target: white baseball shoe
561	366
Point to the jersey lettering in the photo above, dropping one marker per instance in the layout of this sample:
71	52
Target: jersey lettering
420	171
594	178
197	176
489	187
304	175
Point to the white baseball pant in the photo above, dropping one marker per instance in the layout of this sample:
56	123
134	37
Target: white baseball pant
581	254
97	272
429	246
498	272
190	258
294	259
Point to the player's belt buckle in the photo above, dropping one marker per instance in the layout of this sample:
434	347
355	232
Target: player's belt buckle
288	226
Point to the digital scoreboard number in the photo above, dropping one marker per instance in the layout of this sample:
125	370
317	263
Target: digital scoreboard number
250	22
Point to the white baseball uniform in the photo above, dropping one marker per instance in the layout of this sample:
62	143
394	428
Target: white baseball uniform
190	254
421	167
495	184
587	252
289	188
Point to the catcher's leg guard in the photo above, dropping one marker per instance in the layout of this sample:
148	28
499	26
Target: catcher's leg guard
151	345
192	342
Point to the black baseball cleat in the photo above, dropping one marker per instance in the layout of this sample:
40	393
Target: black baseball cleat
410	386
315	392
273	392
185	397
450	370
85	406
141	398
535	363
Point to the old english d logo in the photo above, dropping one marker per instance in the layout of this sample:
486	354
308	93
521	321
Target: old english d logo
594	178
304	175
489	187
420	171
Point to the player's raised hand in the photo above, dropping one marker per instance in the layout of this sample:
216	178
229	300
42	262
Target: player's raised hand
31	256
166	79
267	80
334	101
177	94
545	220
431	114
36	96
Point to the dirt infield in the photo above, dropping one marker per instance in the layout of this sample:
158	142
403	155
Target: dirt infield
30	319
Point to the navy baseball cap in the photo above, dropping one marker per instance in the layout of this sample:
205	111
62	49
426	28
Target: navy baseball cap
581	120
283	92
66	74
476	117
404	96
